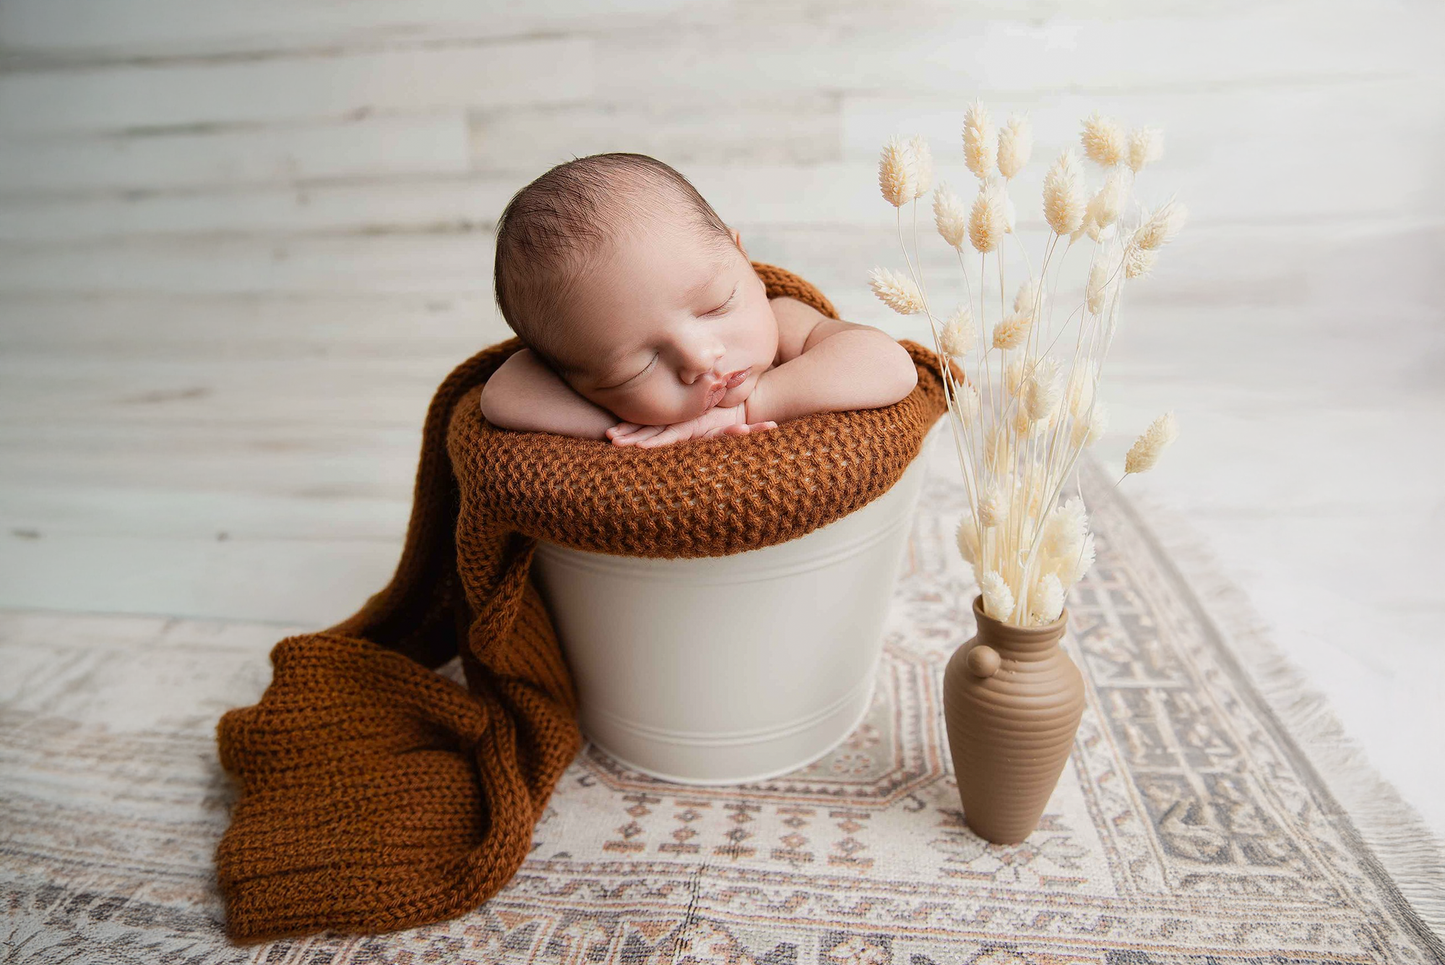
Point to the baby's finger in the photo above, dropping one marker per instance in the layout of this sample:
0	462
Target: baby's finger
760	426
660	438
636	435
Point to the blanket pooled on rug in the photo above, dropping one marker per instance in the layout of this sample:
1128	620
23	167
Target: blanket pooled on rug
376	794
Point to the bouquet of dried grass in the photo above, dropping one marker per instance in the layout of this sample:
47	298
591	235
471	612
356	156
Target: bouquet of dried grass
1022	415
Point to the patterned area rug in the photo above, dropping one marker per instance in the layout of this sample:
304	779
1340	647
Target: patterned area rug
1187	827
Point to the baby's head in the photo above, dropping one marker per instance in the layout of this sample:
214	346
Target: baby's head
615	271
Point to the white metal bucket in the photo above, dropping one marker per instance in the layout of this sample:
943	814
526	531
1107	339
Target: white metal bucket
731	669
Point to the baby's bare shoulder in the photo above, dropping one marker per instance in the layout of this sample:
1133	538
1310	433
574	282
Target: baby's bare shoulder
801	326
796	321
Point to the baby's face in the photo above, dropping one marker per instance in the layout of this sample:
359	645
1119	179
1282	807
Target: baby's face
663	318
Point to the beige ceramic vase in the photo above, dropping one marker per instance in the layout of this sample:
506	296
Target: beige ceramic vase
1012	700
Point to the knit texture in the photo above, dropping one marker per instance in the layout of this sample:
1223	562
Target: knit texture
375	794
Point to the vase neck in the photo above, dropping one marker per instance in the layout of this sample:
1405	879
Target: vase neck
1019	643
1016	648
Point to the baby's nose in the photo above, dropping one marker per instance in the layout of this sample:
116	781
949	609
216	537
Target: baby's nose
705	366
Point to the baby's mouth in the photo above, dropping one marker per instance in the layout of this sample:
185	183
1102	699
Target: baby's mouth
720	389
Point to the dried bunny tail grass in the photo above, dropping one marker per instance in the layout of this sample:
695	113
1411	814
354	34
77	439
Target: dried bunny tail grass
1047	601
1025	426
1098	234
980	141
967	538
959	332
897	172
923	165
950	216
966	402
1011	331
1082	381
998	599
1028	296
998	451
1064	200
988	221
991	507
1095	291
1161	227
1064	529
1015	144
1138	262
1042	390
1058	412
1073	568
1147	448
1086	433
1103	140
897	292
1146	145
1104	206
1013	376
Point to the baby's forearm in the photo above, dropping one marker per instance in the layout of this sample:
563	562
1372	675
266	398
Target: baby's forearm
857	368
525	394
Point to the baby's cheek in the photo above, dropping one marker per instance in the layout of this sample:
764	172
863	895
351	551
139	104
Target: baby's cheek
641	411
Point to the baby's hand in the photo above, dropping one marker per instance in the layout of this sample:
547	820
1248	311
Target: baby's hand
715	421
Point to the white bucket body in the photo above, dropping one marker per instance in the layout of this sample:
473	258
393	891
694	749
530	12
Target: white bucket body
731	669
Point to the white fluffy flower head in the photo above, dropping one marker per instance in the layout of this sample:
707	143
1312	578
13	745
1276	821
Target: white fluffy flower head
1103	140
1064	200
1161	227
1015	144
998	599
897	172
988	221
991	508
922	165
1042	389
1028	296
1088	431
980	141
1046	603
896	291
1064	529
966	402
1073	567
1147	448
950	216
967	538
1011	330
959	333
1146	145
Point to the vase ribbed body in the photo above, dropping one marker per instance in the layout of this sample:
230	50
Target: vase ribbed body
1011	723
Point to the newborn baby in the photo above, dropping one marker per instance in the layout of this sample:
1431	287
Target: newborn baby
645	323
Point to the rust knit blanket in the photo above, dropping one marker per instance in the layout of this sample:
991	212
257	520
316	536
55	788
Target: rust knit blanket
375	794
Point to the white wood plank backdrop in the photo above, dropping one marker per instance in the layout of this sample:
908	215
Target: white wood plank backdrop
240	243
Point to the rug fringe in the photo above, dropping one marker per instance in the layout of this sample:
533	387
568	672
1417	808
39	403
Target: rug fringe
1411	853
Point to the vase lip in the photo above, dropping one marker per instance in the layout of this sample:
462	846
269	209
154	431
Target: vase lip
1025	633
